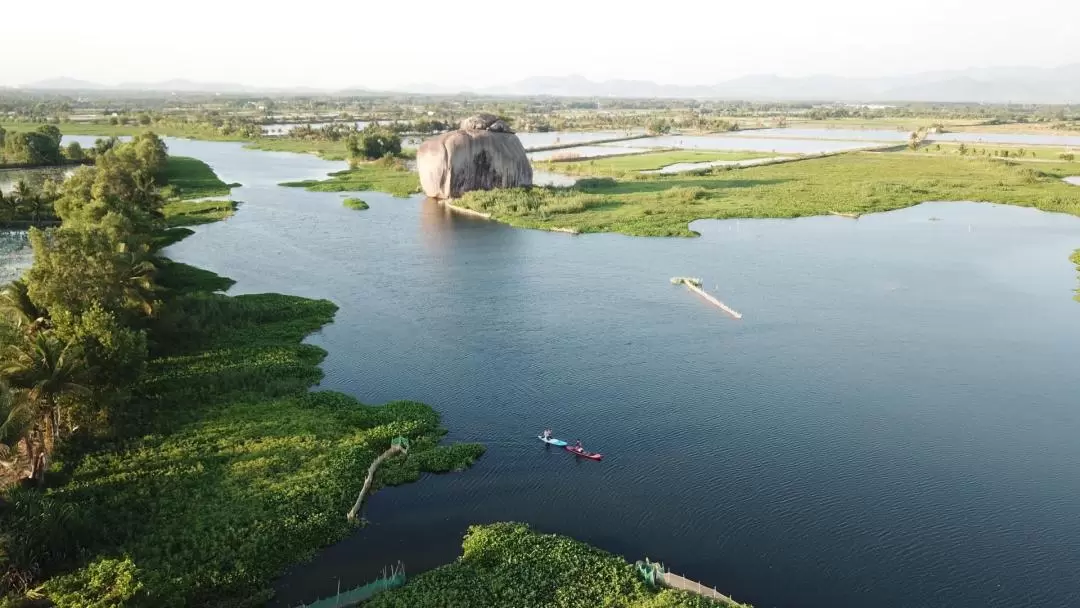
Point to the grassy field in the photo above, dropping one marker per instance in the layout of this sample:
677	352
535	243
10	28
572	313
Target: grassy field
507	564
658	205
626	166
380	176
355	203
190	178
1050	153
188	213
329	150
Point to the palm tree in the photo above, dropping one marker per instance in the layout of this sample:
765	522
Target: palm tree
16	305
22	190
16	425
138	278
47	369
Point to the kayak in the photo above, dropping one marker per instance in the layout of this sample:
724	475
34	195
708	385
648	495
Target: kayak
583	453
552	441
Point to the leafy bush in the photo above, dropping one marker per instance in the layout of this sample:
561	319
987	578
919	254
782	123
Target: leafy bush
508	564
374	142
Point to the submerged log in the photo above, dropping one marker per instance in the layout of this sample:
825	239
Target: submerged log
394	449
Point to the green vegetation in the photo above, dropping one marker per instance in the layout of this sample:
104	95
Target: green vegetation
40	146
167	128
28	205
507	564
373	142
383	175
1042	153
187	213
329	150
631	164
660	205
179	177
172	452
355	203
192	178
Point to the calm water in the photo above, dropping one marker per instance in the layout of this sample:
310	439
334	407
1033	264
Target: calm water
843	134
34	177
763	144
749	162
553	138
15	254
893	422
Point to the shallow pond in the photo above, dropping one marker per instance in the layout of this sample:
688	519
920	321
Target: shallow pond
842	134
763	144
555	138
584	152
750	162
892	423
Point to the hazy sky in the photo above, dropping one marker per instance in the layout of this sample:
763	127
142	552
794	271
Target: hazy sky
475	43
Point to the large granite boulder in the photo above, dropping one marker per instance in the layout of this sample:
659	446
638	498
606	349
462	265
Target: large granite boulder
481	155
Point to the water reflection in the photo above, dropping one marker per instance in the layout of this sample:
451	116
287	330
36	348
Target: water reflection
35	178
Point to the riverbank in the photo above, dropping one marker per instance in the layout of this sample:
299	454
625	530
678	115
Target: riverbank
390	176
240	471
224	468
857	183
190	178
508	564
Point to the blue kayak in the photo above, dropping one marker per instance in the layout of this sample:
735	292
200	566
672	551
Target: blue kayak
552	441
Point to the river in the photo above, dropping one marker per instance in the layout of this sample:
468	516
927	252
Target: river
892	423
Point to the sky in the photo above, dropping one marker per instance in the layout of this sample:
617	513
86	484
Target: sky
477	43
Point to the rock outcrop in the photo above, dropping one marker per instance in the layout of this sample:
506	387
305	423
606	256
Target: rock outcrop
481	155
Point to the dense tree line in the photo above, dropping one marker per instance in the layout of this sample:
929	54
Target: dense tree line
74	336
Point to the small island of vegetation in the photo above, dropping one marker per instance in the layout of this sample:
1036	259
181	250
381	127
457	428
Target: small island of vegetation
509	564
355	203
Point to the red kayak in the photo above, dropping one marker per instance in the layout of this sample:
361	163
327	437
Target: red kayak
583	453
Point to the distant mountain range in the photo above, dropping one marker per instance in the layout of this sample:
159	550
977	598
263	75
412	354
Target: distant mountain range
988	85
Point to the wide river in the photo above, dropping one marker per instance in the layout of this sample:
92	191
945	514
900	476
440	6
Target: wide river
893	423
